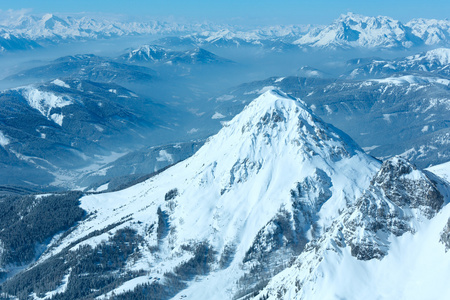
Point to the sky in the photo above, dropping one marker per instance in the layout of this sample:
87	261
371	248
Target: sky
243	11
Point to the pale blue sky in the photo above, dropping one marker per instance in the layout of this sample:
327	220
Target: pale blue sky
242	11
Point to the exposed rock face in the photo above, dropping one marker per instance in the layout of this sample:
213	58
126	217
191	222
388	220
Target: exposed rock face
307	199
445	236
397	194
404	185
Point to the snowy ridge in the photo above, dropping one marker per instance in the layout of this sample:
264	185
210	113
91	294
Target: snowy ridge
349	30
54	27
436	62
147	53
411	80
11	42
352	30
57	28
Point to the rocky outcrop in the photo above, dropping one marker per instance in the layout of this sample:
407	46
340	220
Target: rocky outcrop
445	236
397	194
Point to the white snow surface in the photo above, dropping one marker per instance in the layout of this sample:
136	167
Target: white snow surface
231	188
431	31
217	115
165	156
60	83
102	188
3	139
46	102
410	79
440	56
442	170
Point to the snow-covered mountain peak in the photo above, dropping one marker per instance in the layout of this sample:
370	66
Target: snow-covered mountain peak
274	177
352	30
283	123
353	19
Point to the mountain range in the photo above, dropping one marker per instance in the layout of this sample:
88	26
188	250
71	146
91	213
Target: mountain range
10	42
50	129
348	31
435	62
313	165
277	205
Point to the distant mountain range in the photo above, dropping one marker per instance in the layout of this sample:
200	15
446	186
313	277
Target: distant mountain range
435	62
157	54
306	185
347	32
49	130
10	42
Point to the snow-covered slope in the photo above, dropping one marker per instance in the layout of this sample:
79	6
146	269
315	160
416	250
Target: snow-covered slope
87	67
10	42
271	180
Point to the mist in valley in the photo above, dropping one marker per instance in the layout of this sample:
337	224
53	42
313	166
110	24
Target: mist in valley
183	101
